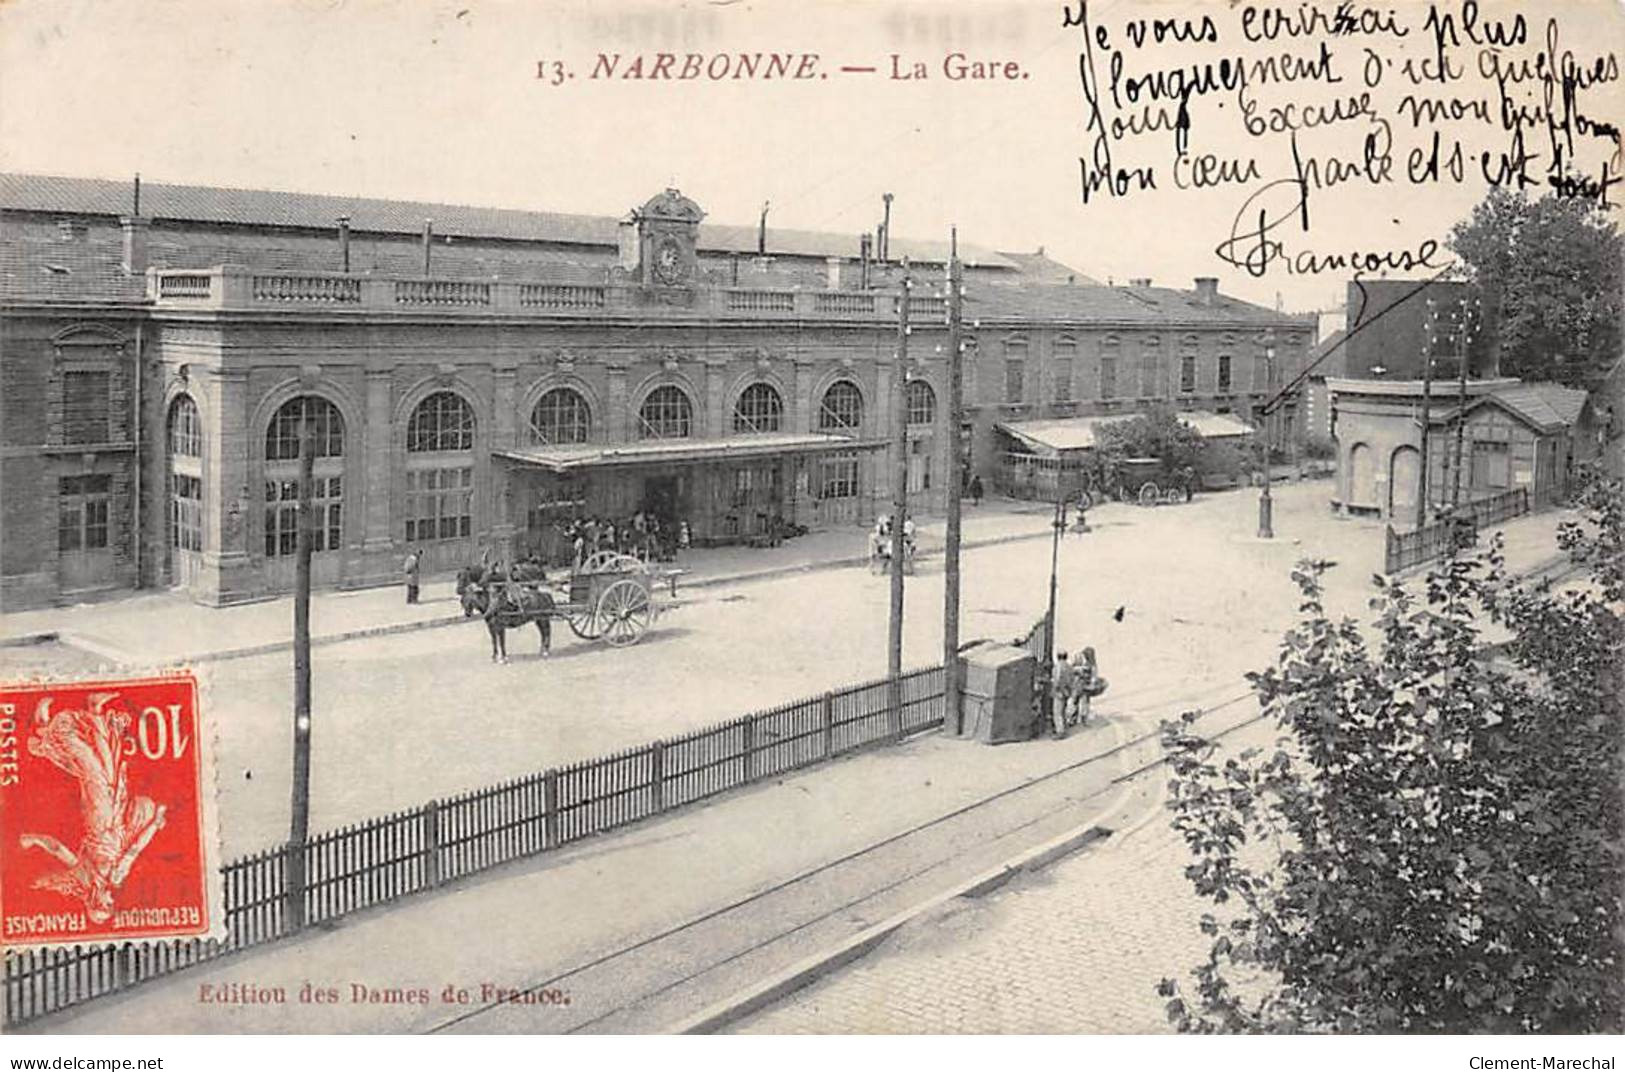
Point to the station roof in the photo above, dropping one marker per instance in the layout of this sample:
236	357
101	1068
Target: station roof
1079	433
280	208
577	456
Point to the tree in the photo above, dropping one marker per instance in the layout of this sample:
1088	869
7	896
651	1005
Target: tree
1158	433
1548	273
1434	845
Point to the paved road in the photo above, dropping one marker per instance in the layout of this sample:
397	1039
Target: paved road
401	719
1078	947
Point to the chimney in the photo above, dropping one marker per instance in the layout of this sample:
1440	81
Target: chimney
1207	290
833	266
1143	281
761	232
428	239
135	244
865	255
344	242
885	230
628	243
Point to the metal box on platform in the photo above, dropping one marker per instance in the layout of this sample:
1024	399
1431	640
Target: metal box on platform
998	694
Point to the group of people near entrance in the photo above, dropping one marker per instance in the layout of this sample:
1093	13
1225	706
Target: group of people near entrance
880	538
643	534
1074	682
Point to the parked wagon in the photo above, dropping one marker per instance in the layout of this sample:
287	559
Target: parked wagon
1147	481
613	597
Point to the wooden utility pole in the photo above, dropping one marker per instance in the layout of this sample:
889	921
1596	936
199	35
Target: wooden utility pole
299	828
899	476
953	716
1427	414
1461	422
1266	505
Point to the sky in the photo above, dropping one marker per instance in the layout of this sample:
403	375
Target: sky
419	99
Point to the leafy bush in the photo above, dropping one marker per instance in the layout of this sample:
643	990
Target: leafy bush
1441	824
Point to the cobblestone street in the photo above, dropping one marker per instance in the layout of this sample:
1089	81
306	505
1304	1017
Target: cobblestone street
1075	948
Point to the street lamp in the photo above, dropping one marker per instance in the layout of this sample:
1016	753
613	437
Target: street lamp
1047	670
1266	507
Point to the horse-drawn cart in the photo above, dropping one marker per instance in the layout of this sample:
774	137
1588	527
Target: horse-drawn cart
611	597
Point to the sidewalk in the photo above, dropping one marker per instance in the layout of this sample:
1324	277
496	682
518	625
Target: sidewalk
166	628
523	924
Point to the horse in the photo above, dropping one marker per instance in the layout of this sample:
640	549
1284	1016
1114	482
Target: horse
472	578
509	606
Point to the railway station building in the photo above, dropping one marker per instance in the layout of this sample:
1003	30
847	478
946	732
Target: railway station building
476	375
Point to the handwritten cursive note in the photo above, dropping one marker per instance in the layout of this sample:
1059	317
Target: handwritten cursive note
1287	105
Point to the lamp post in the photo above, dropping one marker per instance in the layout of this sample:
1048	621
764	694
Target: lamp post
1266	506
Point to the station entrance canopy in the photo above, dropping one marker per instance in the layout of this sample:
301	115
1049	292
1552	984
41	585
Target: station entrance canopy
574	458
1066	436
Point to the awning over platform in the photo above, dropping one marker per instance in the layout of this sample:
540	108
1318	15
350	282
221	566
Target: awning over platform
1067	434
566	459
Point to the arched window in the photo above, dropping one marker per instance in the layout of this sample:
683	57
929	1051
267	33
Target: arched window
440	469
759	409
443	421
1066	352
282	437
561	416
282	476
666	414
185	432
842	408
922	403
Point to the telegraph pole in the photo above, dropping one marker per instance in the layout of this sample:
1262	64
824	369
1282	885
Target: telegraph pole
1427	414
952	717
899	404
1266	505
299	830
1461	421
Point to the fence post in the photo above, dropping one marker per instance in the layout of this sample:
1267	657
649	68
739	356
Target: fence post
657	775
827	723
293	870
550	804
123	975
431	844
748	753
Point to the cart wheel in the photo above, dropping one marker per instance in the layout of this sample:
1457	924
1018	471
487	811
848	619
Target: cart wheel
584	623
624	612
1149	495
1173	495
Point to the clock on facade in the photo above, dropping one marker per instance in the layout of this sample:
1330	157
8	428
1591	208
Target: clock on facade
669	263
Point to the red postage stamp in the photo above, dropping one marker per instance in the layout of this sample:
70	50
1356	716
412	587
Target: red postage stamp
106	832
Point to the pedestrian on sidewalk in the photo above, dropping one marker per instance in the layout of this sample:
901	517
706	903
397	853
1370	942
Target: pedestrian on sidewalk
1063	688
1087	684
976	490
410	568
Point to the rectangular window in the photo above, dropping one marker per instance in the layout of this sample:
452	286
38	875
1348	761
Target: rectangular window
1108	376
838	476
439	504
1491	465
186	512
86	407
1224	374
282	515
1187	374
1150	358
1063	379
82	511
1015	379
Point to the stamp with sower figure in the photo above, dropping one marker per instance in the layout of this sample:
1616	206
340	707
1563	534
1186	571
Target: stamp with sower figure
106	831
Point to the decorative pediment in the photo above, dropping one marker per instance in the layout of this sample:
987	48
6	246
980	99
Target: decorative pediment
670	204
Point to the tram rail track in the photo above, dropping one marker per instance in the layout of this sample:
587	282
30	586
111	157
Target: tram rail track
661	979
